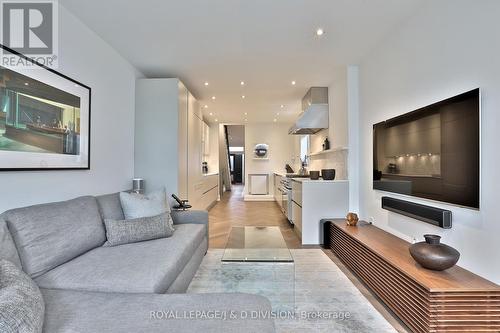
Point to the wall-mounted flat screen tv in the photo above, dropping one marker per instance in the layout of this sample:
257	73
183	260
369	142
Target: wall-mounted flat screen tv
432	152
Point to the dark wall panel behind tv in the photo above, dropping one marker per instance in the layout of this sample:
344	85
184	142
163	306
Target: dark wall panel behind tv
432	152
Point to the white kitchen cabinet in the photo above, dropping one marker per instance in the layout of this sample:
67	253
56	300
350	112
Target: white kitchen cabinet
209	192
314	200
170	138
277	190
297	219
195	177
206	139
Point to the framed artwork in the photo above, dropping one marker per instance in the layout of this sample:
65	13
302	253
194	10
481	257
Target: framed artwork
44	119
261	151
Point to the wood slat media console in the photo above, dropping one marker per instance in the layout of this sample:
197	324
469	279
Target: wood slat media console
454	300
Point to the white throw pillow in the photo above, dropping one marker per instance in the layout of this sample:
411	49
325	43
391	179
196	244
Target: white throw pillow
139	205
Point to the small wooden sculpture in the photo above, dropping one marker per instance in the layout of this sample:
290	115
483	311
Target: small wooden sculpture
352	219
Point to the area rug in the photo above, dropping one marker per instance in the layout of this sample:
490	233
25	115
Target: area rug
310	295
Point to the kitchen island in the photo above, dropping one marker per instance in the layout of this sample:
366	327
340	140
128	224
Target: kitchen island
313	200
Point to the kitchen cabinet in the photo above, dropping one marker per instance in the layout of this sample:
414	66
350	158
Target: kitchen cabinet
206	139
209	192
170	139
277	190
195	177
313	200
297	219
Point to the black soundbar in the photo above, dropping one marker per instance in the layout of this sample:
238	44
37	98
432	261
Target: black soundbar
436	216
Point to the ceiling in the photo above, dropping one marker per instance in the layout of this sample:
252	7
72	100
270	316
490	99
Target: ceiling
267	44
236	135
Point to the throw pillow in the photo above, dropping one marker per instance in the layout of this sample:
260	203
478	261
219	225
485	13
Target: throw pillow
139	205
21	303
137	230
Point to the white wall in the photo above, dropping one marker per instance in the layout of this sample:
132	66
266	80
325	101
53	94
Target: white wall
353	167
449	47
85	57
281	150
337	131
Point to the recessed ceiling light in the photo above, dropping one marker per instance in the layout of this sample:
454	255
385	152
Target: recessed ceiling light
320	32
206	106
213	97
293	83
216	120
211	113
277	113
246	113
242	83
243	96
206	83
275	120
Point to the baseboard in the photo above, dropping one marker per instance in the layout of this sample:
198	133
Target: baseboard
249	197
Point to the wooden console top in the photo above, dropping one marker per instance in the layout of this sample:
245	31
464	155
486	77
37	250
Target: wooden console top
395	251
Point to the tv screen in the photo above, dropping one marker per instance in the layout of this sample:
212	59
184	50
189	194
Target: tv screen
432	152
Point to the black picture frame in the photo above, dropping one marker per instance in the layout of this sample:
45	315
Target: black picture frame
88	111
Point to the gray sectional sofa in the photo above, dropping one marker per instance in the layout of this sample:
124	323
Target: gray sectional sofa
87	287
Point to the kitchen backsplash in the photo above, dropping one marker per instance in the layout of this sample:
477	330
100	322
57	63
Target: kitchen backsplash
333	160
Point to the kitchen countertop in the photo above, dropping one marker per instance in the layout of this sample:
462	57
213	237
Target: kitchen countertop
308	180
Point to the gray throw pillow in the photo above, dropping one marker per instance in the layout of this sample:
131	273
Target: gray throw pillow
139	205
21	303
137	230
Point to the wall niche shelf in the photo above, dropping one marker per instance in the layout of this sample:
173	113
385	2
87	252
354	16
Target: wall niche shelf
332	150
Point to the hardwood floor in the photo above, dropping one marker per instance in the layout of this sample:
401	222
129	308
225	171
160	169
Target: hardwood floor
233	211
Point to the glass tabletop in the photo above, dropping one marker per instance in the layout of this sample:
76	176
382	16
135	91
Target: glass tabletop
256	244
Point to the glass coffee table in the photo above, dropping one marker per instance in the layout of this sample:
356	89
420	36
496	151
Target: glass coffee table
256	244
256	260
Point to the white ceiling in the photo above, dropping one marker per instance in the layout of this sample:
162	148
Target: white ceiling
265	43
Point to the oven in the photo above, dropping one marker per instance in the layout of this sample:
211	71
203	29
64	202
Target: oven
286	198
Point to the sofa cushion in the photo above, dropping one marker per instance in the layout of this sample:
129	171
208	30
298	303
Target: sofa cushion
49	235
21	303
77	311
8	249
120	232
139	205
144	267
110	206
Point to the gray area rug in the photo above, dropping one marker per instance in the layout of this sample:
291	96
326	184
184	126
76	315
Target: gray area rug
310	295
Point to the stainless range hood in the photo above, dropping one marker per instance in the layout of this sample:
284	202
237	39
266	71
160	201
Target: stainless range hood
314	116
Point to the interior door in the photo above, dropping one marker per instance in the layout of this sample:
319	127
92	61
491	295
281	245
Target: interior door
237	168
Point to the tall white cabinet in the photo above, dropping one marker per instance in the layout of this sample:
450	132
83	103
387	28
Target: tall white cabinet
169	141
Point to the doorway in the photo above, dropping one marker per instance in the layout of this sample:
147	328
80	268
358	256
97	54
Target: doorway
236	168
236	147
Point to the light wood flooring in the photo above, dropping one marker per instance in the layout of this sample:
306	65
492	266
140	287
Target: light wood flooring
233	211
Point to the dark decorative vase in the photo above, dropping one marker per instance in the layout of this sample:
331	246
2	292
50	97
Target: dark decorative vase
314	175
328	174
431	254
